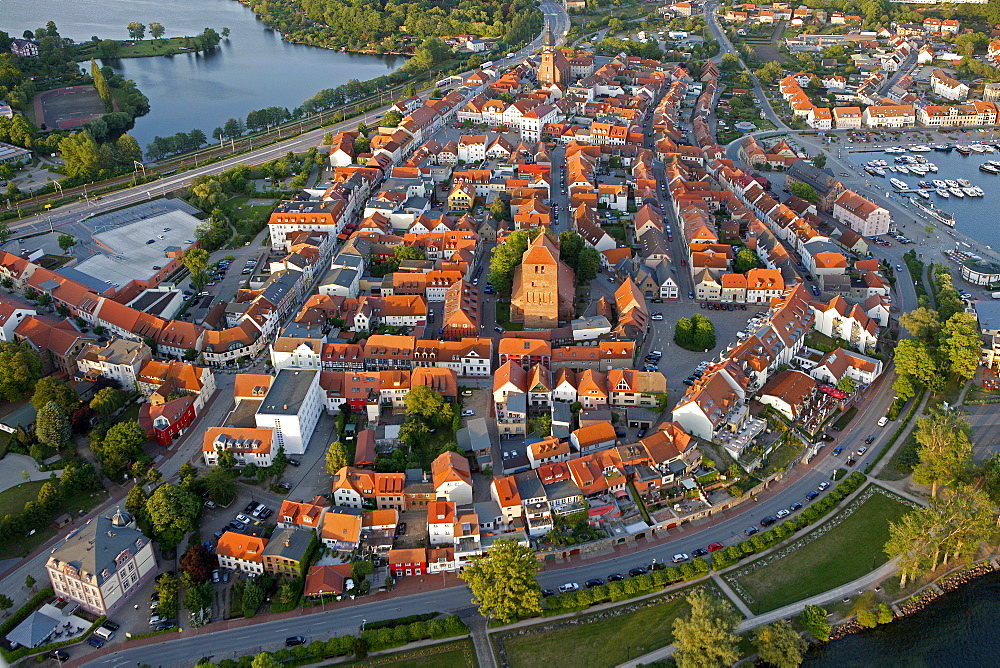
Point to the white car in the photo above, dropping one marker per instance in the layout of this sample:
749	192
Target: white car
883	421
679	558
244	519
657	317
568	587
468	413
781	513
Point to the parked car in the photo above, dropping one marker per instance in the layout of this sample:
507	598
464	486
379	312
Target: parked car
837	450
548	592
294	462
59	655
680	558
768	521
94	641
110	625
636	572
782	513
244	519
568	587
616	577
862	450
749	531
699	552
823	485
795	506
870	439
237	526
295	640
285	486
715	547
468	413
215	575
812	495
593	582
883	421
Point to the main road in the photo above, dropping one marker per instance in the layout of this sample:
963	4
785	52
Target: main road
556	20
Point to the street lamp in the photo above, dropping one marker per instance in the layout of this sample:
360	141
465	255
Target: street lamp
363	625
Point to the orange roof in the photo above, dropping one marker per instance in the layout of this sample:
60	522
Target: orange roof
414	556
342	527
242	547
595	433
450	467
441	512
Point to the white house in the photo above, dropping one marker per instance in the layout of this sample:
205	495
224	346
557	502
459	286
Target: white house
291	408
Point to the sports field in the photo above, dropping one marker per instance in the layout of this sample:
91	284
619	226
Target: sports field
68	107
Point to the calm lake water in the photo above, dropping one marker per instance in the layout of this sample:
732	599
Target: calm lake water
974	216
251	70
958	629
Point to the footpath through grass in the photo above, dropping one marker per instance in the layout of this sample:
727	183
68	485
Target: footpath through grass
843	553
597	641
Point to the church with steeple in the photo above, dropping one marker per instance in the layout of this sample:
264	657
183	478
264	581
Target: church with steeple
554	68
544	290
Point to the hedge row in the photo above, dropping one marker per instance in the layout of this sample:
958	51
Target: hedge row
374	639
400	621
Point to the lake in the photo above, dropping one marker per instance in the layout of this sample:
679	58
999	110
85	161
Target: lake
957	629
974	216
251	70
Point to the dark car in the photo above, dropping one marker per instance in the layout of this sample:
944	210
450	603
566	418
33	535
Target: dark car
548	592
635	572
252	506
237	525
642	432
688	382
594	582
699	552
294	462
812	495
616	577
838	449
110	625
749	531
767	521
401	528
795	506
285	486
59	655
870	439
94	641
295	640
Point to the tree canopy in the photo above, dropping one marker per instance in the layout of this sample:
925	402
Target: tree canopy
805	191
945	449
503	582
705	636
57	390
52	426
20	369
780	645
173	512
336	457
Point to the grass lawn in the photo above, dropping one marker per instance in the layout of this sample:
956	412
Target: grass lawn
165	46
12	502
459	654
503	317
845	553
248	220
902	462
598	641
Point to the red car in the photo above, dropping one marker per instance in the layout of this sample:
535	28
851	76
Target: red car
715	547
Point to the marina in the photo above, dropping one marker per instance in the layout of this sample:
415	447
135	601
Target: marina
951	180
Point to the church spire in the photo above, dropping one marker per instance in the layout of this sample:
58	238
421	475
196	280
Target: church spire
547	38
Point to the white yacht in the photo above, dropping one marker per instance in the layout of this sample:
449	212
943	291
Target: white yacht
920	148
899	185
938	183
951	183
924	194
957	192
942	192
965	183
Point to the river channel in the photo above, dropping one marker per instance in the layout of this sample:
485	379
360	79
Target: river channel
251	70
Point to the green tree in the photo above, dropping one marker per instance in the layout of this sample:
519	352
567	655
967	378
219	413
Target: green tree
101	85
173	512
5	602
126	150
156	30
196	262
264	659
915	359
136	30
57	390
167	588
587	265
81	156
745	260
392	118
109	48
571	245
506	257
500	208
49	496
336	458
780	645
428	406
66	241
960	345
805	191
503	581
135	502
220	484
29	582
945	449
814	619
729	63
107	401
253	598
705	636
407	252
52	426
922	323
820	160
119	448
846	384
